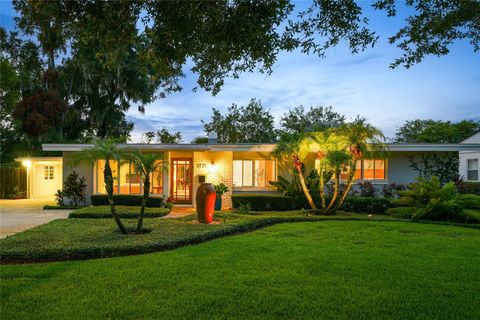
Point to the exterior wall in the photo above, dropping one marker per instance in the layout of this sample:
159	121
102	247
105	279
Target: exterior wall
463	157
84	169
38	187
221	172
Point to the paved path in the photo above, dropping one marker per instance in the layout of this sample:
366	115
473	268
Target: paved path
19	215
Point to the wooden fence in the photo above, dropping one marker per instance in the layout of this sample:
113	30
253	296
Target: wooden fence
13	182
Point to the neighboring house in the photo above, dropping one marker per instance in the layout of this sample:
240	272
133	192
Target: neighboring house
469	160
242	167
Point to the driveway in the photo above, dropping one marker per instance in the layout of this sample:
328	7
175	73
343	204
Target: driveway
19	215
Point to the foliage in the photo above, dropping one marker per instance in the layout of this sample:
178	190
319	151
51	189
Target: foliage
107	150
126	212
244	124
366	205
220	189
435	131
163	136
299	120
469	187
470	201
390	190
430	200
366	189
244	208
74	189
264	202
147	164
429	164
126	200
59	198
199	140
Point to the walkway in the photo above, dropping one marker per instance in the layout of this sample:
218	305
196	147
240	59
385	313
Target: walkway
19	215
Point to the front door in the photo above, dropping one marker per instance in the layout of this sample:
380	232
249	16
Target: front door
181	180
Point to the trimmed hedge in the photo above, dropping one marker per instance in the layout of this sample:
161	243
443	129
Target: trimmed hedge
125	200
469	187
276	202
366	205
127	212
265	202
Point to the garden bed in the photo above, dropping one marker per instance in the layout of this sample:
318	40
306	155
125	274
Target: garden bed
128	212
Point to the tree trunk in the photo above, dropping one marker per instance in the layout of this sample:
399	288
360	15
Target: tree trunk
335	191
146	192
351	179
322	186
305	189
107	175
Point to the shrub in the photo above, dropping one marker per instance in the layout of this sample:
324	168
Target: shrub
391	190
244	208
366	205
265	202
468	187
469	201
401	212
101	212
366	189
74	189
126	200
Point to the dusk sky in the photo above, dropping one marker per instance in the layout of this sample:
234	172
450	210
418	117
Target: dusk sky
445	88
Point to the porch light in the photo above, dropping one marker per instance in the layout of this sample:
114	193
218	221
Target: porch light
26	163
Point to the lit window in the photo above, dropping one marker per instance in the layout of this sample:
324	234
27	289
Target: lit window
49	173
253	173
472	169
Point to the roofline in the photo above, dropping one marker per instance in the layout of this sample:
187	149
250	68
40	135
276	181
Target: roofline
39	158
262	147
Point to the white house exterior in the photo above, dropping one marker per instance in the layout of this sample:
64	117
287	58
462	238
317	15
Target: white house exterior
469	160
242	167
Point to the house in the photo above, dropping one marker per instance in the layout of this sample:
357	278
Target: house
469	165
242	167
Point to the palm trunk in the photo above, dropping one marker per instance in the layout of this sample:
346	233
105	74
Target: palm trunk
146	192
335	191
107	175
305	189
350	180
322	186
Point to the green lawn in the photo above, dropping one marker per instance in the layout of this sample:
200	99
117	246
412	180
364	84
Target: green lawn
319	270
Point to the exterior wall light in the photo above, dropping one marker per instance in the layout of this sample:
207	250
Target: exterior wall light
26	163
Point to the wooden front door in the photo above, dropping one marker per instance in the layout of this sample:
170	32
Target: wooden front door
181	179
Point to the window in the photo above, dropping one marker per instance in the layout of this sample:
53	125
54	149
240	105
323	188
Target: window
253	173
49	173
126	180
472	169
365	169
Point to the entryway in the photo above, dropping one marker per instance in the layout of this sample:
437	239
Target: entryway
181	180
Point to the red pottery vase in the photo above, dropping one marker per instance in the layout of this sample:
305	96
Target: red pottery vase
205	202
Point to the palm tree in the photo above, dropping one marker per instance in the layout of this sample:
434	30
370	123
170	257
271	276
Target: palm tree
364	140
145	163
295	146
104	149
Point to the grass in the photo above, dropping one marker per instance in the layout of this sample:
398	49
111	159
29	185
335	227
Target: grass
101	212
320	270
76	239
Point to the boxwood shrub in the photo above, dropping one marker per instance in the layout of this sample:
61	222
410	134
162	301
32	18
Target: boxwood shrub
125	200
103	212
265	202
277	202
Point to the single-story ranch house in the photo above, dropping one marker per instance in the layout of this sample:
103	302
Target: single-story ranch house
242	167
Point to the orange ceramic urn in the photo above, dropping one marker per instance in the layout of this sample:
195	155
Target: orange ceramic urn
205	202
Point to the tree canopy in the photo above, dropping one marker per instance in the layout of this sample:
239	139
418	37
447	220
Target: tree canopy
250	123
163	136
435	131
316	118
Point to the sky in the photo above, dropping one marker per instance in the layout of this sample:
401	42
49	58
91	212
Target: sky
440	88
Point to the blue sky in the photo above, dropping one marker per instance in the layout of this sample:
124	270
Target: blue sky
445	88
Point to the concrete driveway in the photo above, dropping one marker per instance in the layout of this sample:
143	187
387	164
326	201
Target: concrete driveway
19	215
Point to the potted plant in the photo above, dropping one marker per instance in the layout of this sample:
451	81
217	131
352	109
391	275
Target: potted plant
220	190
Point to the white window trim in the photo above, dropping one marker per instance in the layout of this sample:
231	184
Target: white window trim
478	169
252	187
